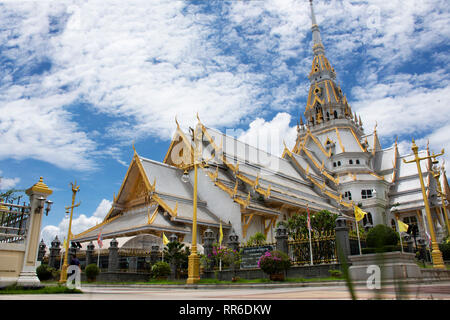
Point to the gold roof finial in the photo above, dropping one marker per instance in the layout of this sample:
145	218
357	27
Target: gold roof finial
134	149
198	118
176	121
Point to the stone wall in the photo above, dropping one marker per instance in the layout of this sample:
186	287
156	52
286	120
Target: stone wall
316	271
119	277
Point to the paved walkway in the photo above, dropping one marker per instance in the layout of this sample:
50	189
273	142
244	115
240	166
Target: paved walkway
435	291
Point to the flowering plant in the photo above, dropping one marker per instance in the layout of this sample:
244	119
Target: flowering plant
273	262
230	258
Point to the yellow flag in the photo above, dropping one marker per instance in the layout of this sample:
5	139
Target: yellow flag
359	214
403	227
165	240
220	234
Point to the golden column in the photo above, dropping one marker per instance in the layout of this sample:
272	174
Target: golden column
194	259
436	174
436	254
75	189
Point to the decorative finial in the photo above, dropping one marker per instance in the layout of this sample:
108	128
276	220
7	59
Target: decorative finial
134	149
198	118
176	121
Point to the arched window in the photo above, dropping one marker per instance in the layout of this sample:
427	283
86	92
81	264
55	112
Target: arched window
339	163
335	114
357	161
328	116
350	161
368	219
334	164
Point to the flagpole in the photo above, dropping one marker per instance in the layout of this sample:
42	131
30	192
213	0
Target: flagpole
359	240
60	261
400	235
220	244
310	246
309	232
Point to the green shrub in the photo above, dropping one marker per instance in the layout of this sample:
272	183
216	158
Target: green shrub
257	239
381	236
273	262
56	273
91	271
445	249
44	272
335	273
160	269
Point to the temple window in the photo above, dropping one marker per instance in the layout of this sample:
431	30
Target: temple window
334	164
335	114
339	163
410	220
368	219
348	195
357	161
366	194
350	161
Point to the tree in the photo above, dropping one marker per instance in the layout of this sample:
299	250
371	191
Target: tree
177	254
257	239
321	221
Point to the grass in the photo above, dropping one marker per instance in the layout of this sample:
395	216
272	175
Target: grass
44	290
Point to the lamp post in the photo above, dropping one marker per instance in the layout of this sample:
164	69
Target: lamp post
436	254
75	189
194	259
436	174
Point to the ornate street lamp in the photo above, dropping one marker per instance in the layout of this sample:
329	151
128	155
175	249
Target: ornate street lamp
436	254
75	189
194	259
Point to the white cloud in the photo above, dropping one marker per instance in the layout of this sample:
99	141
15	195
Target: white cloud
270	135
79	224
8	183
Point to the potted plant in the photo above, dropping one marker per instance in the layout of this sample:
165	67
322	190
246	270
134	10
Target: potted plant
274	263
92	272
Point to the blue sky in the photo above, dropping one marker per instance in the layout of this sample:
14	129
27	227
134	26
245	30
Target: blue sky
80	80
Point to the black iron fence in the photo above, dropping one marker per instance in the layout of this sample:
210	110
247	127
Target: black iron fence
323	246
354	245
13	222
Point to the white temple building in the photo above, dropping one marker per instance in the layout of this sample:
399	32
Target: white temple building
333	166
